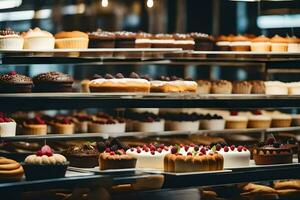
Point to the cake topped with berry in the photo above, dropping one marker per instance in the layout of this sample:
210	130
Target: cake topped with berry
4	118
35	120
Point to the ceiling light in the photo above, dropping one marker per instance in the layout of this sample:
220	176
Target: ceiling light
150	3
104	3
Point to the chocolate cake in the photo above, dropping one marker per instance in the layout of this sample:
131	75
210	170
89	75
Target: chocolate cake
15	83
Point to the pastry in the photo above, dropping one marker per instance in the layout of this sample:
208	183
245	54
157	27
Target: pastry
258	120
235	121
37	39
223	43
272	153
279	44
34	126
81	122
116	160
7	126
276	88
149	156
144	122
203	42
204	87
242	87
183	41
10	40
10	170
258	87
120	84
287	184
162	41
125	39
221	87
53	82
240	43
173	84
295	120
143	40
62	125
15	83
261	44
181	121
293	44
281	120
294	88
71	40
101	39
45	165
212	122
256	192
83	156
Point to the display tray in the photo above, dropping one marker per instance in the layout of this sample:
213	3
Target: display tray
185	173
98	171
253	165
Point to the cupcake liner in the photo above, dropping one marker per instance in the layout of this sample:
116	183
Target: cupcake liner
279	47
39	43
72	43
13	43
260	47
34	130
241	89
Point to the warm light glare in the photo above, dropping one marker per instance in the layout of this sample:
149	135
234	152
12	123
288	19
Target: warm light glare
150	3
104	3
5	4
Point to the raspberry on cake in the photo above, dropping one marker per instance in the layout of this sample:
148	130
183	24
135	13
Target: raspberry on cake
34	126
116	160
62	125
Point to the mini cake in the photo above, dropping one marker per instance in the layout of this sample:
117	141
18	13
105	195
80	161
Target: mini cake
84	156
203	42
272	153
181	121
15	83
173	84
235	121
10	40
62	125
37	39
101	39
53	82
120	84
7	126
276	88
241	87
223	43
45	165
293	88
296	120
34	126
293	44
71	40
258	120
234	157
125	39
106	124
221	87
111	144
204	87
183	41
279	44
143	40
151	156
81	122
10	171
162	41
281	120
240	43
212	122
145	122
116	160
261	44
258	87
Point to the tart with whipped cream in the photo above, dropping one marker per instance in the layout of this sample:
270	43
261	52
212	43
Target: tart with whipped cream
7	126
37	39
45	164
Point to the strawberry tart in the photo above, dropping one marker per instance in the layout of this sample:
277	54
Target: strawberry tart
235	121
34	126
7	126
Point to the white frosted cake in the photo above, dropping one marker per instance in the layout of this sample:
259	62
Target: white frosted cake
234	157
182	125
276	88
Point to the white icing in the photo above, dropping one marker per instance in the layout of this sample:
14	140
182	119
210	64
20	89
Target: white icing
149	126
10	36
276	88
223	43
142	41
118	81
8	129
182	125
235	159
184	42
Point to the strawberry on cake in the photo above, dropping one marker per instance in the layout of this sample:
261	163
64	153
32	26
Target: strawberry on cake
7	126
34	126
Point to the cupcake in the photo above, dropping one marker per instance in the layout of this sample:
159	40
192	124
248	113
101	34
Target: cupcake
101	39
235	121
204	87
71	40
37	39
223	43
258	87
258	120
221	87
279	44
183	41
62	125
242	87
125	39
293	43
203	42
280	120
53	82
143	40
15	83
10	40
34	126
276	88
261	44
7	126
45	165
240	43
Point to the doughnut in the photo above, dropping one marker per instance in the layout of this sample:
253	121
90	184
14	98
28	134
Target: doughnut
10	169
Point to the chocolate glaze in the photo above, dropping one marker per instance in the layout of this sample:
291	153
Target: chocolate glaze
53	77
13	78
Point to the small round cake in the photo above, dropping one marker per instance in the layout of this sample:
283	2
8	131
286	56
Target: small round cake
258	87
173	84
53	82
106	124
34	126
258	120
71	40
240	43
37	39
125	39
204	87
235	121
221	87
212	122
261	44
203	41
181	121
276	88
15	83
241	87
183	41
279	44
7	126
81	122
116	160
10	40
294	88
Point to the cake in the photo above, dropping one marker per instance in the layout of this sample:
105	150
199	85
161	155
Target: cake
10	40
81	122
240	43
279	44
234	157
101	39
295	120
204	87
15	83
221	87
173	84
162	41
125	39
71	40
116	160
143	40
258	120
212	122
293	88
112	144
281	120
223	43
241	87
149	156
34	126
83	156
181	121
144	122
37	39
120	84
62	125
53	82
203	42
11	170
45	165
183	41
7	126
276	88
261	44
272	153
235	121
258	87
293	44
